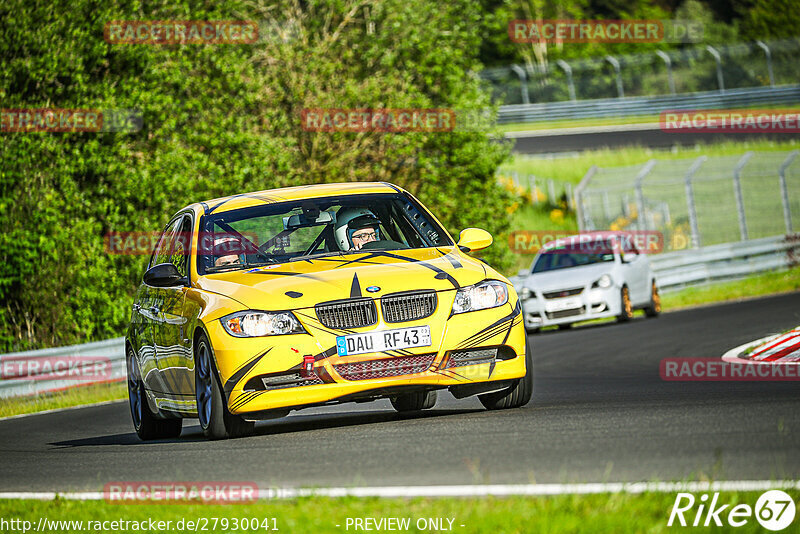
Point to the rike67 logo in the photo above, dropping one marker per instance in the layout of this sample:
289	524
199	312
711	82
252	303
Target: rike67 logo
774	511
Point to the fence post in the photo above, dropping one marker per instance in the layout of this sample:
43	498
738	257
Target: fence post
641	222
615	64
668	61
523	80
737	189
606	205
583	216
551	190
696	243
767	53
787	214
718	60
568	71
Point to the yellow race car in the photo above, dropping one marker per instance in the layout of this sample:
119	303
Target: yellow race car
261	303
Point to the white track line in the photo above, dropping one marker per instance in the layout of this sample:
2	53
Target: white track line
500	490
56	410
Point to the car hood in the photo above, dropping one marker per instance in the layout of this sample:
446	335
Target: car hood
302	284
568	278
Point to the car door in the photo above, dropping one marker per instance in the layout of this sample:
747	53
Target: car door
147	308
173	345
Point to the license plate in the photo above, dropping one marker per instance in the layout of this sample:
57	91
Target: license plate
401	338
568	303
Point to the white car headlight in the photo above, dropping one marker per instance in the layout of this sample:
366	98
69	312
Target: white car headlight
603	282
256	324
485	295
525	293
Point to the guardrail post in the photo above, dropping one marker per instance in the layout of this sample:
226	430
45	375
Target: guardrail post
690	200
615	64
787	214
767	53
570	84
523	80
668	62
582	212
718	60
641	222
737	190
551	190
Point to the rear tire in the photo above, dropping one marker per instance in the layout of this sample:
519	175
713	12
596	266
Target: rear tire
215	419
414	402
655	302
517	395
625	306
147	425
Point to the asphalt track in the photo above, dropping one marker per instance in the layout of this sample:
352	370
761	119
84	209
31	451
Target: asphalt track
600	413
574	140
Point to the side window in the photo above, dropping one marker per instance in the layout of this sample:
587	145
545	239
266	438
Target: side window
182	243
163	249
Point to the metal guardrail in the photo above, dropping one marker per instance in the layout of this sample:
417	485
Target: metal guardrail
35	372
678	269
649	105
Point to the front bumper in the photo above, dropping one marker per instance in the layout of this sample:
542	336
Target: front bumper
547	308
469	348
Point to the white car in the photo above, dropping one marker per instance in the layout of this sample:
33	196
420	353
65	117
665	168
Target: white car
580	278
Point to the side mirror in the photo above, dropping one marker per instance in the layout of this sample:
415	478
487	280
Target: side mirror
628	257
472	239
163	275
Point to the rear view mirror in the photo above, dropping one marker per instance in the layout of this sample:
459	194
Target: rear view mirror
303	220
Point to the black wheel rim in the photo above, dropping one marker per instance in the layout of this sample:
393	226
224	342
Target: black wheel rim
134	392
203	381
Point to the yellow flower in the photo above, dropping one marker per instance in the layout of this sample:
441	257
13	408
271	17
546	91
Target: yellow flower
512	208
557	216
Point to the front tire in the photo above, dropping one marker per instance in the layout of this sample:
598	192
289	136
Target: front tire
517	395
215	419
414	402
147	425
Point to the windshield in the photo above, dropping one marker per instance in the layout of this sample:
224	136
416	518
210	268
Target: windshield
565	258
309	228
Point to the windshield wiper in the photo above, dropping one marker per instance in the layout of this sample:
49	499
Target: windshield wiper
318	255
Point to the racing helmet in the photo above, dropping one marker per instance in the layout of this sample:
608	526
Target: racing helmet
350	220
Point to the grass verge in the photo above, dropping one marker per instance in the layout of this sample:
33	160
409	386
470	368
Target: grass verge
573	168
754	286
64	399
613	513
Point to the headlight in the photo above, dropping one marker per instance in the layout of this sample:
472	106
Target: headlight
603	282
480	296
256	324
525	293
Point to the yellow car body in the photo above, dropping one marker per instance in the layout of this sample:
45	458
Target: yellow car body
471	353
